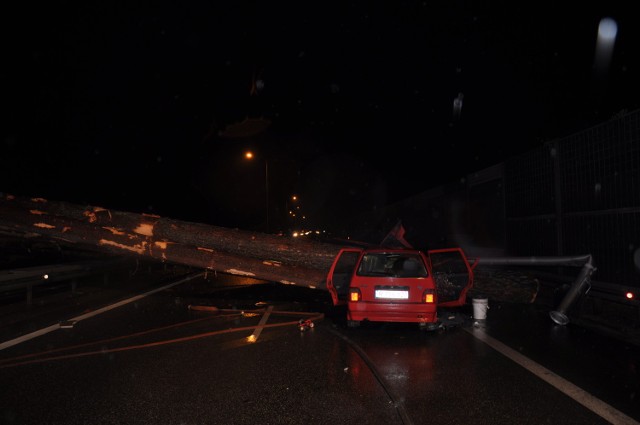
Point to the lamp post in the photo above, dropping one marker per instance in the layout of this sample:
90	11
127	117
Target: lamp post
249	156
289	208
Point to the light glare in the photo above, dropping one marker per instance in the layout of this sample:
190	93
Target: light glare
608	29
607	32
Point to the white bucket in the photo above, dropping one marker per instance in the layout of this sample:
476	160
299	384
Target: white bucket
480	307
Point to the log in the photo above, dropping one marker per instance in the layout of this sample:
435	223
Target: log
283	259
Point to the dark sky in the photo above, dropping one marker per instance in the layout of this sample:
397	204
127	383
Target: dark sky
126	105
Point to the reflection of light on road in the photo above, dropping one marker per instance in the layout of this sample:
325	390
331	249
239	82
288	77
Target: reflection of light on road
394	368
404	368
345	362
355	365
254	337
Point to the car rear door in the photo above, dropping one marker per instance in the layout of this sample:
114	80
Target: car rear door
452	274
339	276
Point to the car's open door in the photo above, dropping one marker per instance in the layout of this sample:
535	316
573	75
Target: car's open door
340	274
452	274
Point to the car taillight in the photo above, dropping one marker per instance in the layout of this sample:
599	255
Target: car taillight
428	296
354	295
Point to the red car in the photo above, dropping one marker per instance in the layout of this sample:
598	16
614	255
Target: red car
398	284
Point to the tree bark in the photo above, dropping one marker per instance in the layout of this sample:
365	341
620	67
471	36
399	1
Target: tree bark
288	260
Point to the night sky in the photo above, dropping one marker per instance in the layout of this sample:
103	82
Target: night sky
349	105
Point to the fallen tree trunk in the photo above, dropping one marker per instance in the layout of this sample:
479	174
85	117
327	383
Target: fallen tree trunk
262	256
287	260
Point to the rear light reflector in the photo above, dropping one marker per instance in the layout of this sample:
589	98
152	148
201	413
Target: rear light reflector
428	296
354	295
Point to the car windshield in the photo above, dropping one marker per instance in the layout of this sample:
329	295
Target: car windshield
392	265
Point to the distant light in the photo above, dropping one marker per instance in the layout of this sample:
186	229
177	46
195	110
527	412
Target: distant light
46	276
251	338
608	29
248	155
295	234
607	33
457	106
630	295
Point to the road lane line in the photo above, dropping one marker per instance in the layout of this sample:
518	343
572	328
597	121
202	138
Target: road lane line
29	336
592	403
52	328
254	336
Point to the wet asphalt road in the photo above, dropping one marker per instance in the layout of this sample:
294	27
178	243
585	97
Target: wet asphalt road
156	360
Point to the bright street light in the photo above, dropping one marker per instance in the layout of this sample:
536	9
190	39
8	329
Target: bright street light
249	155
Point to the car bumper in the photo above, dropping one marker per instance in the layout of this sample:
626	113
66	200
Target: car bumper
385	312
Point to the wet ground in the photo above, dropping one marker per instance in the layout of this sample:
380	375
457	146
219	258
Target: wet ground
229	350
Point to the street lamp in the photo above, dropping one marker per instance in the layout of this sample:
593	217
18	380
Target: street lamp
289	208
249	156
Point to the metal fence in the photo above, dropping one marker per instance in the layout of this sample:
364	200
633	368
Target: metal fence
573	196
579	195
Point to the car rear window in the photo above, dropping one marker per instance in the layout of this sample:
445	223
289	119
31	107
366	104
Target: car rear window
392	265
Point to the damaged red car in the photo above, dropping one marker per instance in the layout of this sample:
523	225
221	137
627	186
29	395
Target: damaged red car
398	284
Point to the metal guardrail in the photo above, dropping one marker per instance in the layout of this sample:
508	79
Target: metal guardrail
604	307
30	277
579	286
598	289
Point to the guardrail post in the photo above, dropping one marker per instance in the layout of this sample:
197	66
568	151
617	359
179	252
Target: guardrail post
580	285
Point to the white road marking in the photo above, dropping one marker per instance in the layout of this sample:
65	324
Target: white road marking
52	328
592	403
